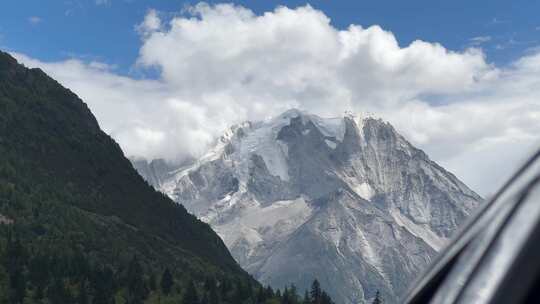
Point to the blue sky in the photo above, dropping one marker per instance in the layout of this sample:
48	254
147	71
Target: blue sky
218	65
104	29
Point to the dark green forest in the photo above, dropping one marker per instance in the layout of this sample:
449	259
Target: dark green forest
59	277
79	225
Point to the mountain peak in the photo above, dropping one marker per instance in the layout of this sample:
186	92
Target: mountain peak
291	113
344	199
332	127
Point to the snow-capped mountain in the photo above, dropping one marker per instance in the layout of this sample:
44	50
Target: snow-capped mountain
346	200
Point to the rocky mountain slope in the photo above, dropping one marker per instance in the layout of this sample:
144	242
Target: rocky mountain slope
347	200
155	172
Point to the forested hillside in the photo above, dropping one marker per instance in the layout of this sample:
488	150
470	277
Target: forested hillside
79	225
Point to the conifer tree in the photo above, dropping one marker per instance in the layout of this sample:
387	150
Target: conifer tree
240	292
136	289
325	298
190	296
307	299
377	299
204	299
82	297
315	293
293	293
261	295
15	261
167	282
224	288
18	286
285	299
249	290
102	281
57	293
38	274
269	292
152	281
213	297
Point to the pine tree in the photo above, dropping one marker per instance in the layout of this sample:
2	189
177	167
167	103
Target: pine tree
57	293
213	297
38	274
249	290
240	292
136	289
293	293
152	281
261	295
315	293
18	286
15	254
167	282
307	299
190	296
269	292
325	298
102	281
285	298
204	299
15	261
82	297
224	288
209	281
377	299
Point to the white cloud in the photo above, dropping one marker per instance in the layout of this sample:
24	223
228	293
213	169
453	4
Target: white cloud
34	20
224	64
478	40
150	24
140	114
495	21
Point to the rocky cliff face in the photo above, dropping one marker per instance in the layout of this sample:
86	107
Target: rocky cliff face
347	200
155	172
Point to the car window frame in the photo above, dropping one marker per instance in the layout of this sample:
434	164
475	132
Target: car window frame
426	285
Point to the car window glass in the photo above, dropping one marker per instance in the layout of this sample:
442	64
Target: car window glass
477	223
471	255
503	251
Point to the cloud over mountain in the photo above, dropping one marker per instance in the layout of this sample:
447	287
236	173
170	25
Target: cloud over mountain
223	64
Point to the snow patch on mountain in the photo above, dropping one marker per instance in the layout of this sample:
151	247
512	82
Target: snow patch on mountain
330	127
364	190
419	230
330	143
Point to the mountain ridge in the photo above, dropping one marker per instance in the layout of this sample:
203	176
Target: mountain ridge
340	184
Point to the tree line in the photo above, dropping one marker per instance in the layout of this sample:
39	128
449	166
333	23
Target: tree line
47	276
